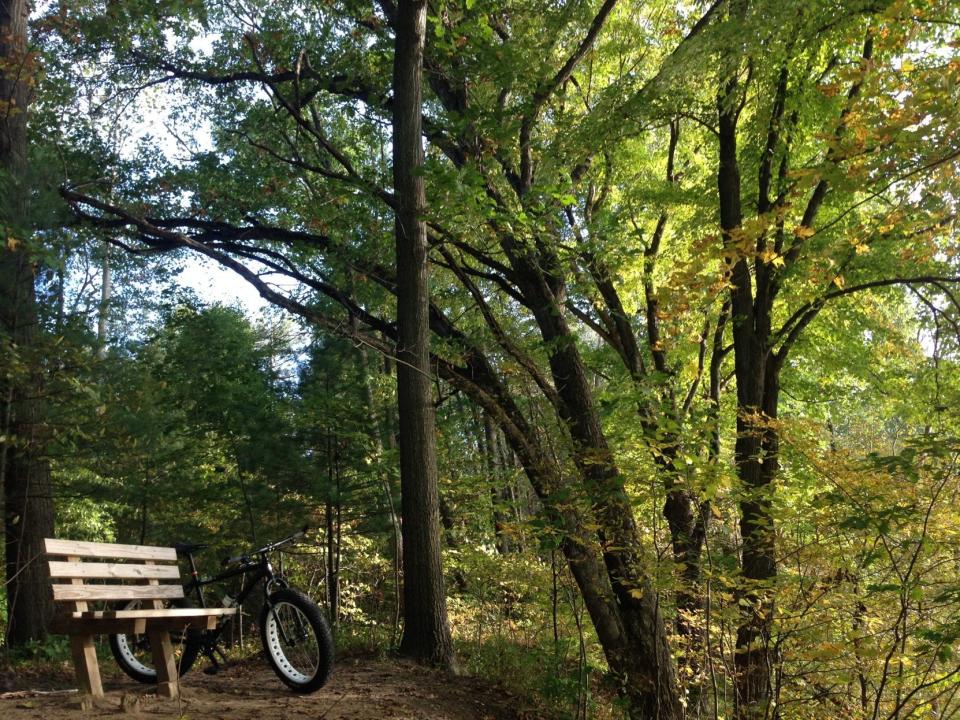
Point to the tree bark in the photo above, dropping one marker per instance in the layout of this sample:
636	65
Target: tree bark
332	528
426	633
499	491
626	606
106	295
622	604
28	509
757	374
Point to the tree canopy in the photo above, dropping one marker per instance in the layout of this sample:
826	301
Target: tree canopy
692	311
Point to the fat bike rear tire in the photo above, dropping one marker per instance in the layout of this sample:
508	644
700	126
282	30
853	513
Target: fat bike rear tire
133	655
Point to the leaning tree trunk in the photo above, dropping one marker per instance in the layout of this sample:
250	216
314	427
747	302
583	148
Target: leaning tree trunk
633	636
642	658
622	603
28	508
426	633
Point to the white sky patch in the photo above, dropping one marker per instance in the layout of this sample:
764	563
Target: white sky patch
215	284
161	117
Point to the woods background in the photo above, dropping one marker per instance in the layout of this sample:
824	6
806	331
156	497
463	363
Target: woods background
672	287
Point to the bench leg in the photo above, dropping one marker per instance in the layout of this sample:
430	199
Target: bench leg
85	663
164	662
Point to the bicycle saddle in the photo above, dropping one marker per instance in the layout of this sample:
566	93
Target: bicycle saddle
188	548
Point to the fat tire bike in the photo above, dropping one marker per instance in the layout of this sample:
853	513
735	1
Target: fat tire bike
294	632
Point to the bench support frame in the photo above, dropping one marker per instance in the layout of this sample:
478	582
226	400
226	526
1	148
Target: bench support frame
84	654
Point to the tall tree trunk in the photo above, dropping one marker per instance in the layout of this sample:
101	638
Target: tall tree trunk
499	491
28	508
331	517
755	451
426	634
106	294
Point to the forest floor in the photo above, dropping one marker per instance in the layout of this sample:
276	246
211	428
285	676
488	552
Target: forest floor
360	688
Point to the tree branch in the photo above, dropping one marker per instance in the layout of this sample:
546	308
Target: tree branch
547	89
504	341
822	187
804	315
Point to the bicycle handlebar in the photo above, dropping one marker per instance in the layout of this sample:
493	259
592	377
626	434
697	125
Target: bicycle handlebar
266	548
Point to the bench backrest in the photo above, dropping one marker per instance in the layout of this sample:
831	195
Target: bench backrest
120	572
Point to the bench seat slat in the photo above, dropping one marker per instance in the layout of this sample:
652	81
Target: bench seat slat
98	626
79	548
149	613
117	592
106	571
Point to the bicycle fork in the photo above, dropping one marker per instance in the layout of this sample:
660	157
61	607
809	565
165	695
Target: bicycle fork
299	627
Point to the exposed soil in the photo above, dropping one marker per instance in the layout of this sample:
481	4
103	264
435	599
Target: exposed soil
358	689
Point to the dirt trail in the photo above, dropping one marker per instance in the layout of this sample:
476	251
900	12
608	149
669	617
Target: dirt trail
358	689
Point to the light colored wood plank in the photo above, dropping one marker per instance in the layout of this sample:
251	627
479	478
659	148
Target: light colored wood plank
116	592
84	654
81	548
164	662
155	604
120	571
168	612
76	581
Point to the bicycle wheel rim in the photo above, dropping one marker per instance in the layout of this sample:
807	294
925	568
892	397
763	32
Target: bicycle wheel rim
292	643
127	649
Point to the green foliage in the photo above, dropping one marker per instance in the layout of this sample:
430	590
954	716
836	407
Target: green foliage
44	652
82	518
202	424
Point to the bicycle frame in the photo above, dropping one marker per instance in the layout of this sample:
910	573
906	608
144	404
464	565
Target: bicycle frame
263	576
261	570
294	633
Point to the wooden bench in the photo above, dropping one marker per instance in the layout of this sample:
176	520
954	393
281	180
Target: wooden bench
120	572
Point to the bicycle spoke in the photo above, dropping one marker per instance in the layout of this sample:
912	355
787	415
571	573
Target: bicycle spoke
292	643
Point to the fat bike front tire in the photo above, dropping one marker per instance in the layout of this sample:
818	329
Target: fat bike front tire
297	640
